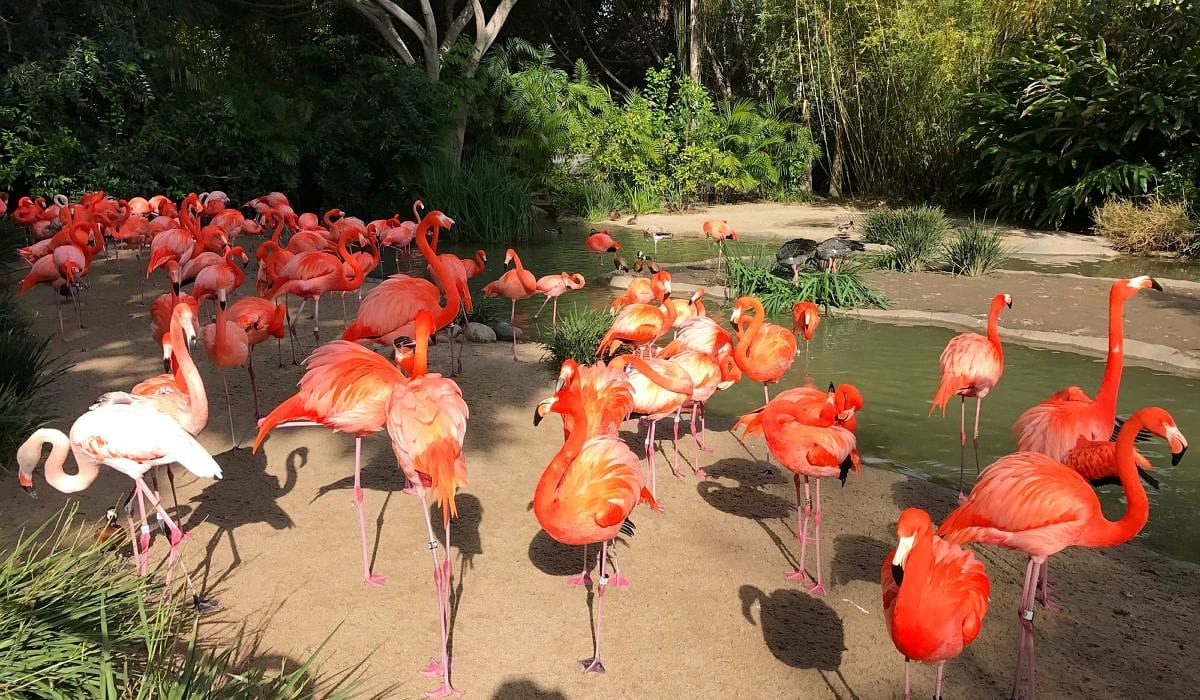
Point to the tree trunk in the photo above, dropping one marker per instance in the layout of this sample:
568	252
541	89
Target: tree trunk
836	164
694	41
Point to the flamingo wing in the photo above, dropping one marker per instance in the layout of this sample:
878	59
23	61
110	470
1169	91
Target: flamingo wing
427	421
391	305
133	437
604	480
1053	426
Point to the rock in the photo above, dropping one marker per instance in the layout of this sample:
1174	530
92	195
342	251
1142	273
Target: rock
505	331
479	333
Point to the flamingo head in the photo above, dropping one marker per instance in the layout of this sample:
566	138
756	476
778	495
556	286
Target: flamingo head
419	208
848	400
222	298
1123	289
730	373
565	374
187	319
543	409
166	350
1159	422
508	257
405	349
913	523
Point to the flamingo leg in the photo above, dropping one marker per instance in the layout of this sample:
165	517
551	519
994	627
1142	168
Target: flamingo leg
317	319
143	535
937	692
554	317
229	409
441	582
583	579
906	692
703	447
79	316
803	514
542	307
675	442
1025	631
696	469
512	325
594	665
978	404
369	578
176	535
1044	588
61	328
650	455
817	590
962	450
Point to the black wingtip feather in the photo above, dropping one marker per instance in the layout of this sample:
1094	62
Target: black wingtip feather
628	528
1142	436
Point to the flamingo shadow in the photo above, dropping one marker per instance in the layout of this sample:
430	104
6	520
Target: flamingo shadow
857	558
800	630
748	499
246	495
526	690
379	473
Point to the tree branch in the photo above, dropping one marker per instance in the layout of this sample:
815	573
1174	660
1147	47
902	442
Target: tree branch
486	33
399	13
386	29
456	27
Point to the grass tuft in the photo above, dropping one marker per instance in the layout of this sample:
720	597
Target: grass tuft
916	235
844	289
578	336
977	250
1155	226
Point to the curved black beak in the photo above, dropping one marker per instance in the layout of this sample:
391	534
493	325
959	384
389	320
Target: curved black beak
832	388
166	365
31	491
1177	457
1155	285
537	415
175	288
898	574
1009	304
403	342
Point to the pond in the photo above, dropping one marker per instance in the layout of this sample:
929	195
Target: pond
1116	268
896	367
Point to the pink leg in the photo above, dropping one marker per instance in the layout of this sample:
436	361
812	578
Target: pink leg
512	325
617	580
1045	589
817	590
317	319
441	583
937	692
1025	632
906	693
594	665
978	404
369	578
703	446
176	535
143	535
650	455
554	316
582	579
700	473
229	409
542	307
962	439
675	441
803	514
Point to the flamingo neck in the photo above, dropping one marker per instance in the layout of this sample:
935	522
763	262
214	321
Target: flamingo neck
1106	397
747	335
916	571
420	364
677	385
479	263
441	274
545	499
993	330
29	455
1102	532
197	398
359	272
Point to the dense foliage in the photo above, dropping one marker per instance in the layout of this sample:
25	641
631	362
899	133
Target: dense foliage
578	336
1108	103
916	236
1153	226
844	288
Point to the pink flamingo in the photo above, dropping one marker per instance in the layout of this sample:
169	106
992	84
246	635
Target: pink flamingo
225	275
971	366
660	388
813	449
1033	503
721	231
259	319
516	284
554	286
639	325
427	421
226	344
805	319
643	290
311	274
600	242
1053	426
764	351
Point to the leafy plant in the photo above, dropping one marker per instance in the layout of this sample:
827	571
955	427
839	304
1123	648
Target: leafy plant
1151	227
483	197
977	250
30	366
844	288
578	336
915	234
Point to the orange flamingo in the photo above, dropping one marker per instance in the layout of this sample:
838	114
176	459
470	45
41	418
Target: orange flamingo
720	230
660	388
764	351
226	344
1096	461
935	595
705	372
639	325
554	286
809	449
259	319
224	275
130	438
515	284
426	420
600	242
586	492
643	290
1052	426
1033	503
805	319
971	366
688	308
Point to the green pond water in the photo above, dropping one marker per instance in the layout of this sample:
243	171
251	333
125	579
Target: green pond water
896	367
1116	268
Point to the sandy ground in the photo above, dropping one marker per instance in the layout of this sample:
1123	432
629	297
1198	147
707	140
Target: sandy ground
709	613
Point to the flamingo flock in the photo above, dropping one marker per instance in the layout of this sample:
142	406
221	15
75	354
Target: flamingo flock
662	358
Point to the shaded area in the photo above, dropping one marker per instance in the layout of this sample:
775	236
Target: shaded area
526	690
857	558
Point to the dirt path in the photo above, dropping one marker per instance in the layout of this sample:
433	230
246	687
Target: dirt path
709	613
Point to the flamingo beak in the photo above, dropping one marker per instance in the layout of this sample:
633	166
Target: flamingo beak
1175	439
166	365
175	288
902	550
27	484
542	409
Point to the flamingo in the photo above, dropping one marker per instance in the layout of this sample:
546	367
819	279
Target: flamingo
515	284
259	319
130	438
971	366
1033	503
805	319
227	346
426	420
225	275
554	286
707	377
311	274
813	449
600	242
639	325
720	230
586	492
1096	461
1052	426
935	595
643	290
764	351
660	388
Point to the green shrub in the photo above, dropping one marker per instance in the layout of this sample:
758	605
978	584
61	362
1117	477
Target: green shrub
844	288
29	366
916	235
76	623
1152	227
483	197
977	250
578	336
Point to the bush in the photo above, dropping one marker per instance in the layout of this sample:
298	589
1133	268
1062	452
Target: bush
1152	227
488	203
916	235
844	288
76	623
29	366
976	251
578	336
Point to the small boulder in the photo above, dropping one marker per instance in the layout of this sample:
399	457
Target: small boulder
479	333
505	331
